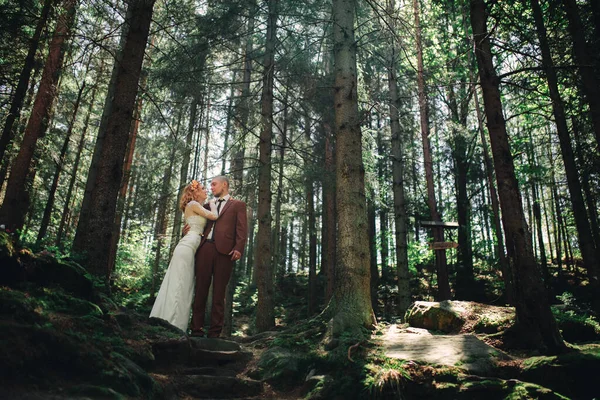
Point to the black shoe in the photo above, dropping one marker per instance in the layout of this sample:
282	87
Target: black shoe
197	334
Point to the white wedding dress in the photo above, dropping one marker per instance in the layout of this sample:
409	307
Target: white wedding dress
174	300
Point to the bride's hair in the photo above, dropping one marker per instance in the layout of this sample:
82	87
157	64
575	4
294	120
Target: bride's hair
189	193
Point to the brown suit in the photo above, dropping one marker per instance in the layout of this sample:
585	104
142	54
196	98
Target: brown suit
213	262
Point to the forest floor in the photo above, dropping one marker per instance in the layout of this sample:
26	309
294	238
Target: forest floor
421	346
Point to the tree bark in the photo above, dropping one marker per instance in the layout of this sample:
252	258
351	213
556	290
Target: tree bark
183	171
584	232
71	186
590	83
17	200
59	167
94	236
329	211
534	317
438	233
350	305
21	90
400	217
265	318
505	266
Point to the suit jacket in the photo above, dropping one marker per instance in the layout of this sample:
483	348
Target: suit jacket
231	229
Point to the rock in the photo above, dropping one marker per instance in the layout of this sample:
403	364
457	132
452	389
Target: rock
11	270
571	374
317	387
16	306
281	368
217	387
48	271
197	352
95	392
442	316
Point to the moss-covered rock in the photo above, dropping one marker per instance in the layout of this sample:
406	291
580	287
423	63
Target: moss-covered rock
281	367
49	271
18	306
571	374
11	270
442	316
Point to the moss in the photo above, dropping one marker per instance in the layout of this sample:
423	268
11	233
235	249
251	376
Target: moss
7	248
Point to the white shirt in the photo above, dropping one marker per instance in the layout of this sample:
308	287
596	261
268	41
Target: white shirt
223	202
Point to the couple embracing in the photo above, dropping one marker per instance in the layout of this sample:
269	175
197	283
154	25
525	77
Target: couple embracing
214	238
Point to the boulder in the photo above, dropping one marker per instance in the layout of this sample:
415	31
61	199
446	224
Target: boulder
444	316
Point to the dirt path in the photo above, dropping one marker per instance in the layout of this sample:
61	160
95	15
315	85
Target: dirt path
419	345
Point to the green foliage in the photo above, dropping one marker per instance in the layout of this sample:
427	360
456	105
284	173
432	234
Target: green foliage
133	273
418	254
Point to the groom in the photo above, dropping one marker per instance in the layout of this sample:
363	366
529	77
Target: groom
222	244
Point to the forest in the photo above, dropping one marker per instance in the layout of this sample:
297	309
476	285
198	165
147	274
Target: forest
410	168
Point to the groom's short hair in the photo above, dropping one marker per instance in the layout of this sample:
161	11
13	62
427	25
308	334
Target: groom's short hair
222	178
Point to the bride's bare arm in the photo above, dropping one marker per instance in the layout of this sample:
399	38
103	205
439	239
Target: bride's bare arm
212	214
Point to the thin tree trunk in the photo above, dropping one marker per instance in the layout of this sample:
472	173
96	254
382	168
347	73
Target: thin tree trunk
183	171
59	167
329	211
400	217
21	90
94	236
279	271
265	318
17	200
438	233
505	267
162	218
586	239
534	317
67	209
243	106
383	210
590	83
372	235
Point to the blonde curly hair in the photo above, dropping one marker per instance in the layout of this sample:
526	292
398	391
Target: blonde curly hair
190	193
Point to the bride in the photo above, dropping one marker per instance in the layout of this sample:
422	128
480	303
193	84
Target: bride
174	299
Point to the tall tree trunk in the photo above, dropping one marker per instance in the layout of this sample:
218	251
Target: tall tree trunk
329	211
584	232
183	171
72	180
84	212
94	236
590	83
279	269
372	235
400	216
505	267
265	318
383	209
590	199
17	200
534	317
350	305
243	105
162	219
438	233
23	84
59	167
312	229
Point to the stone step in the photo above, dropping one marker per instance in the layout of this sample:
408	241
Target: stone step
200	352
213	387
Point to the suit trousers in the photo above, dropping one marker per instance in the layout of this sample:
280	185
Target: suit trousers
210	264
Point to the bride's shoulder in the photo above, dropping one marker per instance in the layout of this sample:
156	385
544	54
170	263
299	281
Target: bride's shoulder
193	203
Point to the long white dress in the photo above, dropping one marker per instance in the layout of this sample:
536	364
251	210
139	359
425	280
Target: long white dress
174	300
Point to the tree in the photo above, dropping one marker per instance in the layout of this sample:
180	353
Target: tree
94	235
265	318
534	317
17	200
350	305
